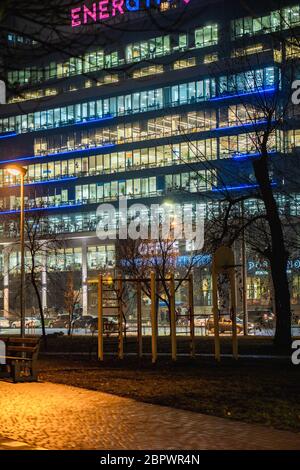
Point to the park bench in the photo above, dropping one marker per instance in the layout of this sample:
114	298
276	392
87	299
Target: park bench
21	359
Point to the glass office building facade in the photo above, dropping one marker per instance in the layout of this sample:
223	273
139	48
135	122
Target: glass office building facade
152	117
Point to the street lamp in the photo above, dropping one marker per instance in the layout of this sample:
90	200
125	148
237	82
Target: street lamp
17	170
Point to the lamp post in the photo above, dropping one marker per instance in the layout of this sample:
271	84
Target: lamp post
244	274
17	170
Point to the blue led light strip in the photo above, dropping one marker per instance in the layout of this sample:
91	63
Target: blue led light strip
81	123
238	188
7	136
227	97
33	157
245	156
59	180
42	209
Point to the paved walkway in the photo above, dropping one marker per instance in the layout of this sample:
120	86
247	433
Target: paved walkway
60	417
9	444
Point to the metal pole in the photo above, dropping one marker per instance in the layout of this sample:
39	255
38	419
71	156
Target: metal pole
139	319
120	317
216	313
153	318
100	318
233	314
173	317
192	314
244	275
22	242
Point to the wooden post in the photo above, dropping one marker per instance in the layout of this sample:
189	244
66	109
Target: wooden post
120	318
153	318
173	318
216	313
223	262
192	314
139	318
100	318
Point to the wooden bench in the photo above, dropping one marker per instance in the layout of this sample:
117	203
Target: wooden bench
21	359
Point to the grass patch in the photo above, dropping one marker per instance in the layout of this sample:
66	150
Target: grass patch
204	345
254	391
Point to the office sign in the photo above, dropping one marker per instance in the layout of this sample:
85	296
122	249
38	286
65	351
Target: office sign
103	10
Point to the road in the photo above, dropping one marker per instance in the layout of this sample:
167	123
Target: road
162	331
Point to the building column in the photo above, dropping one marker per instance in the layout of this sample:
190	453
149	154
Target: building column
84	274
44	283
6	282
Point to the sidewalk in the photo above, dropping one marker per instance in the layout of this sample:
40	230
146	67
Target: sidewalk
51	416
8	444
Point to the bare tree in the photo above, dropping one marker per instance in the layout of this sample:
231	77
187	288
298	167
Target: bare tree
138	258
38	247
72	298
247	201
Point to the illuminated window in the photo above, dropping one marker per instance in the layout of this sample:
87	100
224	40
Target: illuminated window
146	71
210	58
206	36
117	106
184	63
284	19
253	49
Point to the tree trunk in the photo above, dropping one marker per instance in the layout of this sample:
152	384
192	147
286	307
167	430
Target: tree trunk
70	326
71	315
38	296
278	256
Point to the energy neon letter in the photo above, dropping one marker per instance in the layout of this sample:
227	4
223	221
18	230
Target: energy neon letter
89	13
103	8
76	21
117	5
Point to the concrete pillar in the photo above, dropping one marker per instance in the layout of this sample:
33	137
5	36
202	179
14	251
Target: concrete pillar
6	282
84	274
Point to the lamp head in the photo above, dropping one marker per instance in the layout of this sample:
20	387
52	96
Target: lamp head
16	170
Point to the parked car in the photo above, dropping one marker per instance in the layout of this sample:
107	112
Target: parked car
200	322
110	325
225	325
30	322
16	324
33	322
265	322
61	321
257	316
4	323
82	322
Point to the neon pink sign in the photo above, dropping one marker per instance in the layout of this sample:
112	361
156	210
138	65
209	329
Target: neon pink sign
105	9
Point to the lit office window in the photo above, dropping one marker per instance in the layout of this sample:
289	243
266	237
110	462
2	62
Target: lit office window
276	20
184	63
150	49
110	107
206	36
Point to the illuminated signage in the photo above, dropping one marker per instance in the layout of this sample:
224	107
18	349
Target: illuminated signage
261	267
105	9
